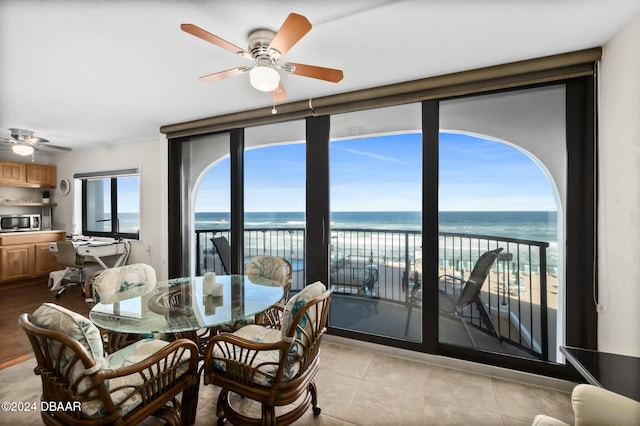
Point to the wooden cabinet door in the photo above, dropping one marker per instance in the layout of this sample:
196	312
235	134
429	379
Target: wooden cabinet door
41	175
16	262
12	173
45	262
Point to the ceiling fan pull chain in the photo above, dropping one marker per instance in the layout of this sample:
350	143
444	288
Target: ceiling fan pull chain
313	111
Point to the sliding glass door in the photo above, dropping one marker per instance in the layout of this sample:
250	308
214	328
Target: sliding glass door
502	192
397	208
202	205
376	220
274	195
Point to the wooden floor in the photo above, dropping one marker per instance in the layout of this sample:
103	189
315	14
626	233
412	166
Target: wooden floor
16	299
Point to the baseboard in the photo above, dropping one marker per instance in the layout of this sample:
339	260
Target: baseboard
16	360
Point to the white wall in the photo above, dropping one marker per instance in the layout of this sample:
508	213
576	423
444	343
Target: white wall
619	227
151	158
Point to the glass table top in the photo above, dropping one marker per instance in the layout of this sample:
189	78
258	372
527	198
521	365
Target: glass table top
180	305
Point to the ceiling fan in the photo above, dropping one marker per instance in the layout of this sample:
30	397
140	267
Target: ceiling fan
265	49
24	143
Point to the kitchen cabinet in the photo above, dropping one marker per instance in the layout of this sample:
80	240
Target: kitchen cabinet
16	262
44	261
25	255
41	175
27	174
13	174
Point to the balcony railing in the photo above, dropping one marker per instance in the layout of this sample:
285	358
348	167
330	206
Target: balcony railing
385	265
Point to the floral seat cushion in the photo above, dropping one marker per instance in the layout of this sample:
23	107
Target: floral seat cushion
54	317
269	267
261	269
130	355
293	307
124	282
266	361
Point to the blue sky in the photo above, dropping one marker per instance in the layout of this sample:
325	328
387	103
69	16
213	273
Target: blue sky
384	173
128	194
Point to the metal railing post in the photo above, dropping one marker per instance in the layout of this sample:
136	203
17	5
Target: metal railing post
198	271
405	282
544	322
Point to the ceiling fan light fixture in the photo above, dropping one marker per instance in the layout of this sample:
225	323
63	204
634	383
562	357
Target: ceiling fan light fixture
264	78
22	149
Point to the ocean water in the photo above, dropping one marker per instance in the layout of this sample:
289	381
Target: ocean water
526	225
540	226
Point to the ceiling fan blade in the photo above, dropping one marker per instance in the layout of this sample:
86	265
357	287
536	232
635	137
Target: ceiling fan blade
224	74
279	95
321	73
59	148
207	36
36	140
291	31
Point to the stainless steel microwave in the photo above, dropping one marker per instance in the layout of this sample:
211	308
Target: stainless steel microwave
20	222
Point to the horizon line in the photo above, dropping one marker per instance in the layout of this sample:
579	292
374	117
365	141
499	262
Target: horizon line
392	211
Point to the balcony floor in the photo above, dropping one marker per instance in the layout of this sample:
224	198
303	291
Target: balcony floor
389	319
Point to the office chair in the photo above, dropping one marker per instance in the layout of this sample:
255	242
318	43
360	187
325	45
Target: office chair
67	257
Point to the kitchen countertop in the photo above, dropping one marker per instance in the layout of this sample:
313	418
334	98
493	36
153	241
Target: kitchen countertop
7	233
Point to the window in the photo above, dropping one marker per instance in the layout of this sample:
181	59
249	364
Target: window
501	185
548	125
111	204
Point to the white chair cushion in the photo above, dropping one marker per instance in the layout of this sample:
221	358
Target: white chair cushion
293	307
124	282
542	420
593	405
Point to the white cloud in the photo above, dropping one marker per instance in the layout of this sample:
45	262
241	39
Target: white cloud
375	156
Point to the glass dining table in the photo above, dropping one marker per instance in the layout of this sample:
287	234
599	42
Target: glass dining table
179	306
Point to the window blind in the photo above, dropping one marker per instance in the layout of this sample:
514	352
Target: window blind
107	174
515	74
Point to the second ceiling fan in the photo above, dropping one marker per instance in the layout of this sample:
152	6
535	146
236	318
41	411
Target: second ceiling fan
265	49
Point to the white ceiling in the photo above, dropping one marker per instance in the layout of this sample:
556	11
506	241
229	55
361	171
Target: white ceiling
84	73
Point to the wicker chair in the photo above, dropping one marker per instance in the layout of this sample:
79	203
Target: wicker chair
274	365
116	284
272	268
141	380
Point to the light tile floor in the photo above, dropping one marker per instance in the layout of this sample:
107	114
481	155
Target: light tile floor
360	387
